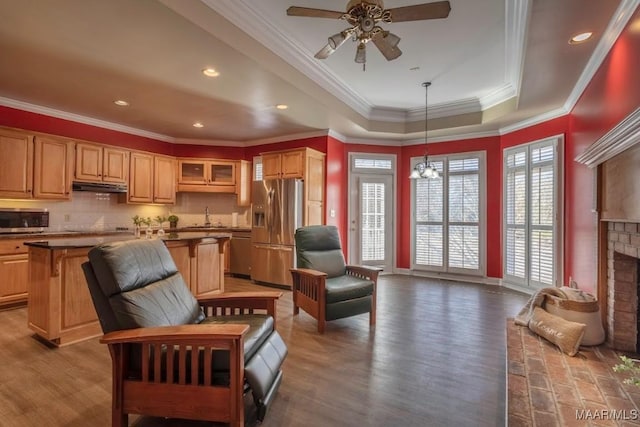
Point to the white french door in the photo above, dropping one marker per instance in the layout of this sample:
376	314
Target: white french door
371	233
532	221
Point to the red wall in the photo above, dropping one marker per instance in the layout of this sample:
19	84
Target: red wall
52	125
612	94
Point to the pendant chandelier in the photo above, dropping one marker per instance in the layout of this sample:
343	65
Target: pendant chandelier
425	169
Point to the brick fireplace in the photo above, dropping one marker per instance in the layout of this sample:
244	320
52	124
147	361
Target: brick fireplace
623	258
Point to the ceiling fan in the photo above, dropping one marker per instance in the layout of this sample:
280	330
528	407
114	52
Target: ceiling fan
364	17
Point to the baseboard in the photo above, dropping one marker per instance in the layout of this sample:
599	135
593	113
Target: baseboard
495	281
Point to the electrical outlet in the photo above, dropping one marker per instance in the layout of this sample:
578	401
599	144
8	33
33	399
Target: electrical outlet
332	213
67	217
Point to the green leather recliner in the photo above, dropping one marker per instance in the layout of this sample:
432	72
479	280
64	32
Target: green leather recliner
172	355
323	285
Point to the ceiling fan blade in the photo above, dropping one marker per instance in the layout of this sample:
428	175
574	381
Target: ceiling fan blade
418	12
387	49
313	13
325	52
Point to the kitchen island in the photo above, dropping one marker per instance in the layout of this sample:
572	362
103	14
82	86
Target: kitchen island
60	309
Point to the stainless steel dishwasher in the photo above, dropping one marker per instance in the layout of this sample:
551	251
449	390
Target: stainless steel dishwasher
240	253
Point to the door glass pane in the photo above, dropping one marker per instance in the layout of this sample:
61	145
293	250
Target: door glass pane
222	174
464	244
429	245
515	248
372	205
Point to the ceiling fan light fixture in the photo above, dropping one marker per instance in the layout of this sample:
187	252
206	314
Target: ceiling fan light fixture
392	39
361	53
336	40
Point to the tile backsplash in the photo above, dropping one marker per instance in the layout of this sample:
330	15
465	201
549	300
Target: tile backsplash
97	211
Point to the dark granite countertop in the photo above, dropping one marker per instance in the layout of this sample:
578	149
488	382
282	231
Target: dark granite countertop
90	241
46	234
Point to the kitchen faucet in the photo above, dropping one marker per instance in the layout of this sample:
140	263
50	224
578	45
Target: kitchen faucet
207	221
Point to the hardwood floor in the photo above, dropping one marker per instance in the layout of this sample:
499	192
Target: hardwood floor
436	357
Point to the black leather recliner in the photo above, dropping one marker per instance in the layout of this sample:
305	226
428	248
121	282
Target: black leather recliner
175	356
323	285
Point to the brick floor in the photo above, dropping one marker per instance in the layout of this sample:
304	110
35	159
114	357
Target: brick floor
545	387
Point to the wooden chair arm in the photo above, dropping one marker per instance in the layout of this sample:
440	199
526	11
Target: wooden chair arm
308	272
234	303
181	333
370	273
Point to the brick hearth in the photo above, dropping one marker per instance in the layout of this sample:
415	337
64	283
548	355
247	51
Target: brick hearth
623	251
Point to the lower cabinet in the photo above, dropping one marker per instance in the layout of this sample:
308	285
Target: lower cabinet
202	264
14	271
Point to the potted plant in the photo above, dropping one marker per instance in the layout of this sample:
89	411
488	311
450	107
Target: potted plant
161	220
148	231
137	222
173	221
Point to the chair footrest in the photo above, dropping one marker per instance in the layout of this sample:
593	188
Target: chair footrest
263	368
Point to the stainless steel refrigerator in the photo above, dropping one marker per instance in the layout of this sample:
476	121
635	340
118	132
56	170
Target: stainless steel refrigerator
277	213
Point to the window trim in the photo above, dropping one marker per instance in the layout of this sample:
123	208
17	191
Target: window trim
482	215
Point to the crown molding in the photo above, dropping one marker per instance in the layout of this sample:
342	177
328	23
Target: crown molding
625	135
283	138
622	15
498	96
518	16
32	108
541	118
209	142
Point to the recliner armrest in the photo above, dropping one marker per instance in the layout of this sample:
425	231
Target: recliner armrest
240	302
370	273
175	334
308	272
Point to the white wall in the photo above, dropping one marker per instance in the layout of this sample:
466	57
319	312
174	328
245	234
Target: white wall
91	211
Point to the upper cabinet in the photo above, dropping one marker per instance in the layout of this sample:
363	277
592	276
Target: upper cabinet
209	176
52	171
95	163
151	179
284	164
302	163
164	180
16	164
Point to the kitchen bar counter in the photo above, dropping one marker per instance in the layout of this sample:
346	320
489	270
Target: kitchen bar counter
91	241
60	309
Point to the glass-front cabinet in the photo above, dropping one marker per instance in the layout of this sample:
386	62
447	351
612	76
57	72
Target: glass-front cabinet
207	175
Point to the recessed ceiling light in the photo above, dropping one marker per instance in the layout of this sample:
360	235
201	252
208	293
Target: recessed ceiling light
210	72
198	125
121	103
282	106
579	38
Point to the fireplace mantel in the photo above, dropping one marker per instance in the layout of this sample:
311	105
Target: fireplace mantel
622	137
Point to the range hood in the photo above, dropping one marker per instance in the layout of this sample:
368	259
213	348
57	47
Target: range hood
99	187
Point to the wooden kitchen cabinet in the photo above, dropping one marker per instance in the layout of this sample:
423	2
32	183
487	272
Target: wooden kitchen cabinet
284	164
52	170
207	175
164	180
151	179
302	163
16	164
14	272
209	269
95	163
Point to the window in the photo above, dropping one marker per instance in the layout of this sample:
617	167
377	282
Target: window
257	168
448	216
531	226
